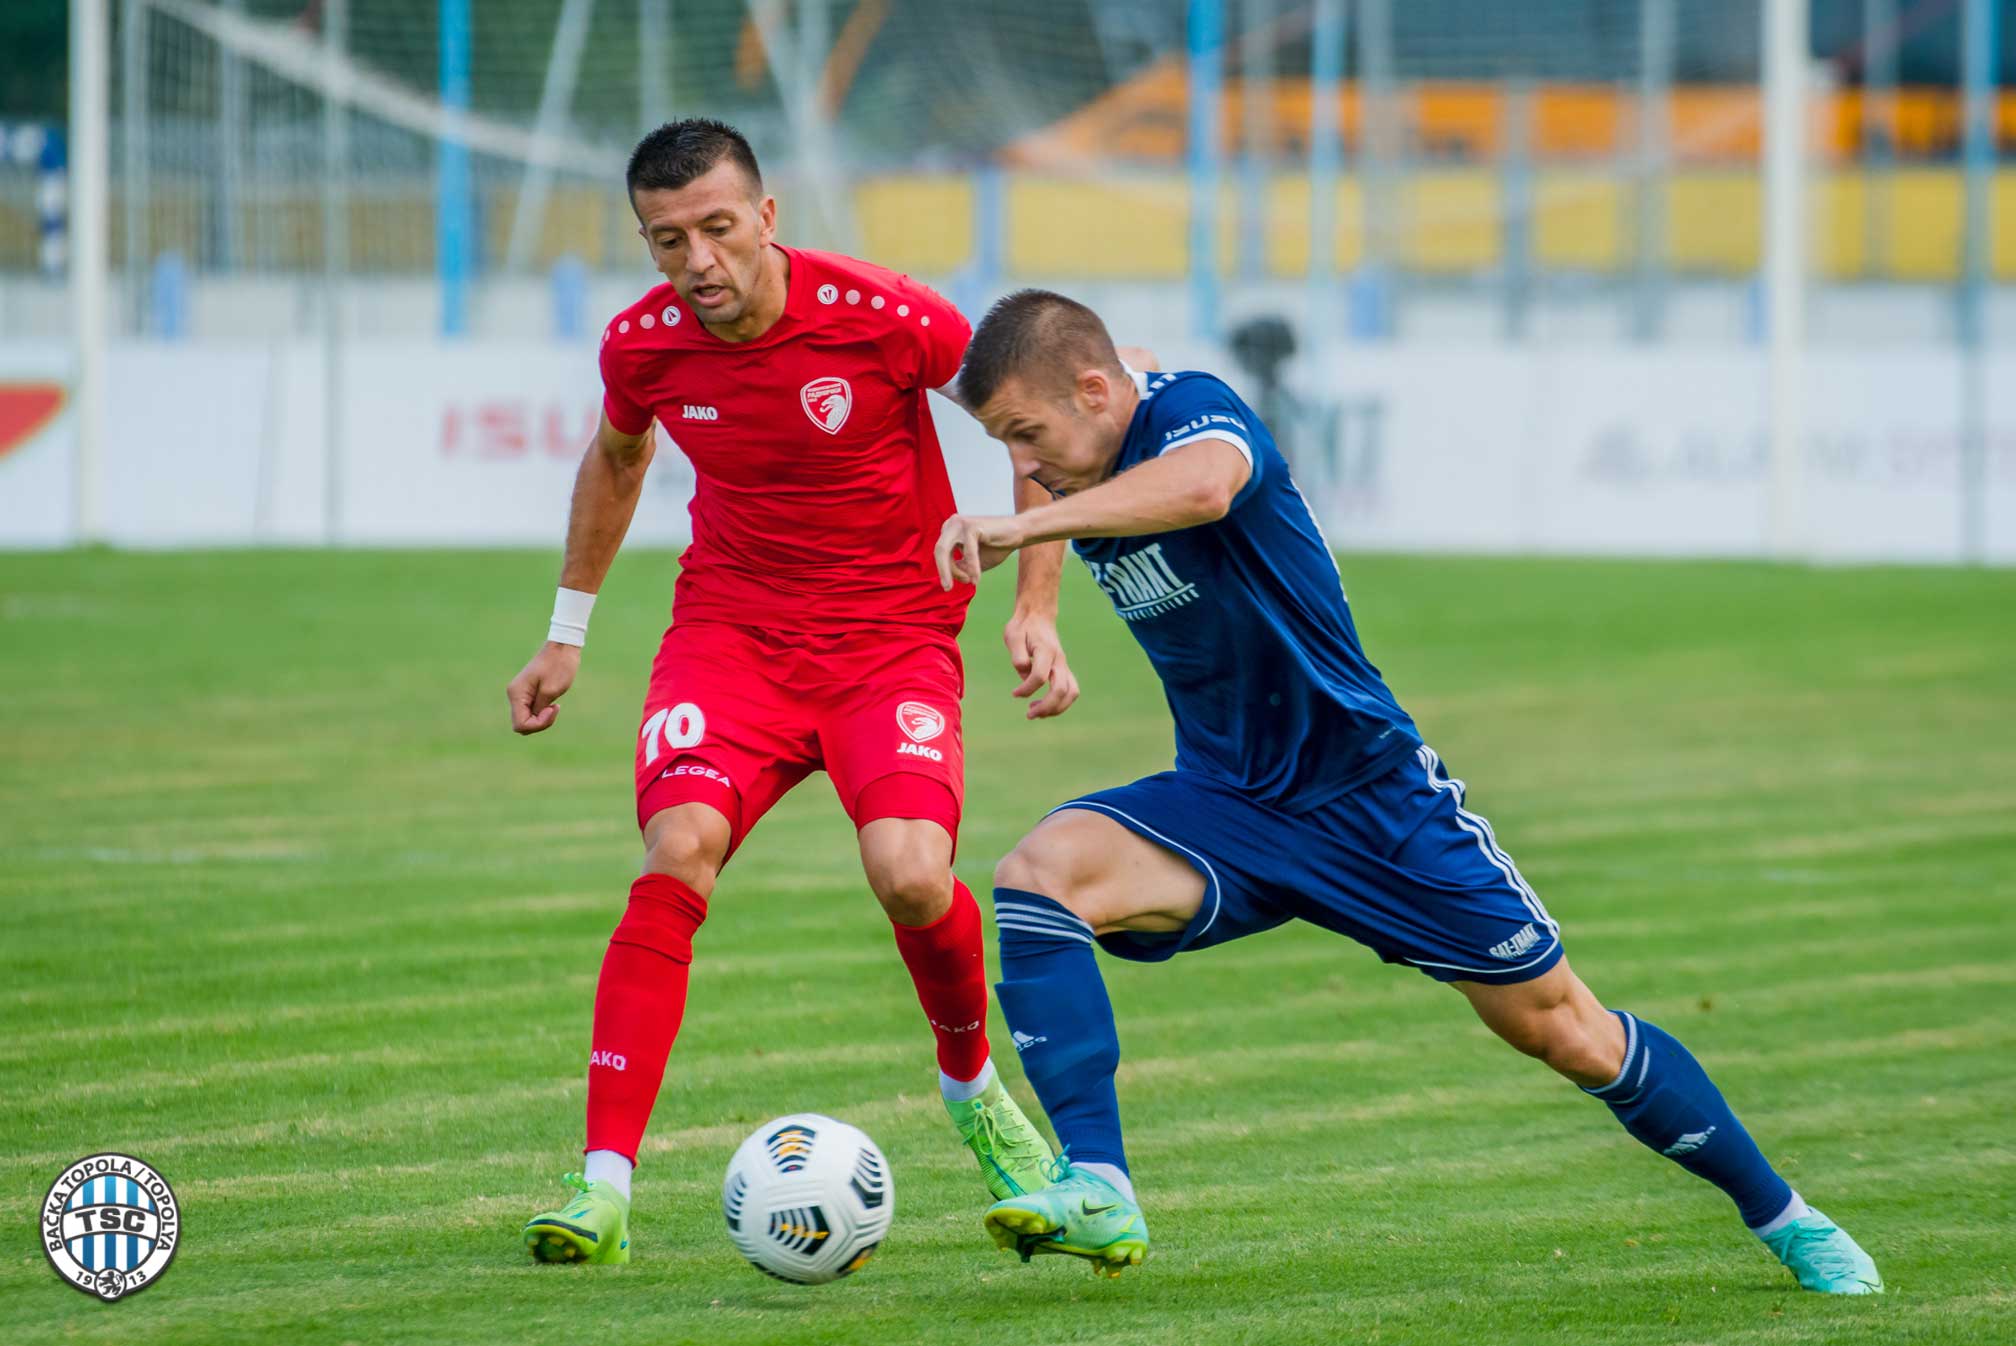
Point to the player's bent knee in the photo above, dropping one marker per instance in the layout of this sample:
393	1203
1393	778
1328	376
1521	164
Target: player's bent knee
688	849
1020	868
686	856
1556	1019
1572	1051
908	863
914	894
1560	1039
1033	867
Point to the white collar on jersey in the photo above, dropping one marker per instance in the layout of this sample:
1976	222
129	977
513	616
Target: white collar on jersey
1140	379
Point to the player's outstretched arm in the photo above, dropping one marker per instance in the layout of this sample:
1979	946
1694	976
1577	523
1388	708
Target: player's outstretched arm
1185	487
605	497
1031	633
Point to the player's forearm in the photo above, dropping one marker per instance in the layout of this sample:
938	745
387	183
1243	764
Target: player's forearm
1039	567
1160	496
1039	570
606	490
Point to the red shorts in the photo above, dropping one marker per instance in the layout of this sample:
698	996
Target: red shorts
738	715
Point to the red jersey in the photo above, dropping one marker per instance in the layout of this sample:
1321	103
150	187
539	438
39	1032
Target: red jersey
821	486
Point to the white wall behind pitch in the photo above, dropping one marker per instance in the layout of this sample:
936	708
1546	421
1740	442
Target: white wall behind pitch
1601	450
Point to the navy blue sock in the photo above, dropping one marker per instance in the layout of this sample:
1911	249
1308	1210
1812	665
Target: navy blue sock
1057	1012
1667	1102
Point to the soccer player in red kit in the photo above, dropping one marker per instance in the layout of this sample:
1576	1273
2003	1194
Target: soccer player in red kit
809	630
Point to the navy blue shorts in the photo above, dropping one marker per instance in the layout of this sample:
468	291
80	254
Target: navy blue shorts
1398	864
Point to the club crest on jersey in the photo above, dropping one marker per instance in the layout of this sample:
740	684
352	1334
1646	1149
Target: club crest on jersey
827	401
921	722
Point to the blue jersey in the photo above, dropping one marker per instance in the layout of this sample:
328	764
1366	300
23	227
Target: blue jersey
1245	620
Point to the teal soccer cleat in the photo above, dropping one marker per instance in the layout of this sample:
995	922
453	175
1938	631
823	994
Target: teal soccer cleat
1824	1258
1079	1214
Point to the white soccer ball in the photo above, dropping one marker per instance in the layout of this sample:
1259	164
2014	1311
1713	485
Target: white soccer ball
808	1198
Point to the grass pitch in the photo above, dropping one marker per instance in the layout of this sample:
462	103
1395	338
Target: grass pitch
289	913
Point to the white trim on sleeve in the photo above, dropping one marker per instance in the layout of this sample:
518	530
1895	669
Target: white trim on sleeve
1215	433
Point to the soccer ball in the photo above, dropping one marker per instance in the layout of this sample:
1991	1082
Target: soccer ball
808	1198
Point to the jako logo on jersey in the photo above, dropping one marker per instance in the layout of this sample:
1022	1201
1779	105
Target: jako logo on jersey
693	413
1024	1041
827	401
1525	939
919	750
1688	1143
955	1028
613	1060
921	722
1141	584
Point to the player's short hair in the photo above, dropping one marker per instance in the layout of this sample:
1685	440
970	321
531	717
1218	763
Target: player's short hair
1038	336
678	152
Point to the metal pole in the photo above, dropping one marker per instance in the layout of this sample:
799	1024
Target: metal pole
1326	160
799	76
134	157
990	230
1379	108
1207	71
1786	46
654	97
563	70
231	102
1519	197
90	93
1978	42
1256	88
1655	93
454	206
1880	41
815	43
52	210
335	257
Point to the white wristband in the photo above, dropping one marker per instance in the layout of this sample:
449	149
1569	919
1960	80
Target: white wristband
570	617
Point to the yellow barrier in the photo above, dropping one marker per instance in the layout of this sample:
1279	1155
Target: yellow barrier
1905	225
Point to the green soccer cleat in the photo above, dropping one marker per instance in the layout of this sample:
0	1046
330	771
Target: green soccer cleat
1824	1258
1079	1214
593	1227
1014	1158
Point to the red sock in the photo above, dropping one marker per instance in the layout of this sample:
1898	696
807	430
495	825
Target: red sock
639	1002
946	963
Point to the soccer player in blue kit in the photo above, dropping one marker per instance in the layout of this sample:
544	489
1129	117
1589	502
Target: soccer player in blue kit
1302	791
